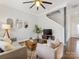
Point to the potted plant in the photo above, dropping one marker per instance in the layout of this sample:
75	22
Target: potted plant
37	30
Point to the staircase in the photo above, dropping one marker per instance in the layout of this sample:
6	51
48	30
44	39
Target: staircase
57	16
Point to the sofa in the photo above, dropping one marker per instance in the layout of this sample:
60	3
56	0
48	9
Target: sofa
46	52
18	53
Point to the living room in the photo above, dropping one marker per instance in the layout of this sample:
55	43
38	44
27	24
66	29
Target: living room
23	19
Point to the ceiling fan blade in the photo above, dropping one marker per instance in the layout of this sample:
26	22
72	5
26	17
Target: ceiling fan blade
37	8
32	5
46	2
28	2
43	6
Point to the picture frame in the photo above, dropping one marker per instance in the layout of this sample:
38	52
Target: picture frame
10	22
19	24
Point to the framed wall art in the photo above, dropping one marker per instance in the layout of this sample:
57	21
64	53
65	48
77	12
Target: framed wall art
10	21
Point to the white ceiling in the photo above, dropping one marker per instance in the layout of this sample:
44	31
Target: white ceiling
17	4
73	7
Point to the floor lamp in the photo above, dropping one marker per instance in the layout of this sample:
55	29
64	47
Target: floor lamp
6	36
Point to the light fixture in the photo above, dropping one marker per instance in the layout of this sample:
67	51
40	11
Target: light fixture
6	27
38	3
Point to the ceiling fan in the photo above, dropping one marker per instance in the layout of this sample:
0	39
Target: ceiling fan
38	3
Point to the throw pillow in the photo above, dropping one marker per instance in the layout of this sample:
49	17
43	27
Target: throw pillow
55	43
6	46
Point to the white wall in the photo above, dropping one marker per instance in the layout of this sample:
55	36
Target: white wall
47	23
41	20
8	12
74	23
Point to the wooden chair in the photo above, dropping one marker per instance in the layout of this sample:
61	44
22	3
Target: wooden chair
31	49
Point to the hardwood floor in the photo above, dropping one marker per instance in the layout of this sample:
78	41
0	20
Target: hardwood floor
72	49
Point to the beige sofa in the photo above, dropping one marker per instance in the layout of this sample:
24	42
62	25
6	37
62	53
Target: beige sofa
19	53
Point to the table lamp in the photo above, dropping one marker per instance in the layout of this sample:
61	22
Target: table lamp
6	27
